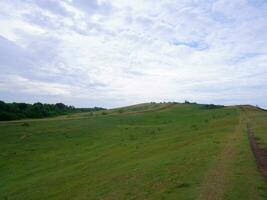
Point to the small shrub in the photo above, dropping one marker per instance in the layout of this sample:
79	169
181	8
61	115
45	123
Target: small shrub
195	127
212	106
25	124
182	185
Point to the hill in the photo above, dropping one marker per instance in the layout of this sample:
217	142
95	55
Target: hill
148	151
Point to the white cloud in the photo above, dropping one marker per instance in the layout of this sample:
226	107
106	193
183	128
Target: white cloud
134	51
24	85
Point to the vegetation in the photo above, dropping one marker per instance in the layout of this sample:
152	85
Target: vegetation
14	111
211	106
257	118
147	151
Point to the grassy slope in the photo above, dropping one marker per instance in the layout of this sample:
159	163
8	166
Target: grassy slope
258	123
174	152
135	109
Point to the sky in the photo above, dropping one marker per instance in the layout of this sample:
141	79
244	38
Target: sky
113	53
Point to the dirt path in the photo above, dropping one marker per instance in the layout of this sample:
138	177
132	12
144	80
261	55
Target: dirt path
213	186
259	153
227	167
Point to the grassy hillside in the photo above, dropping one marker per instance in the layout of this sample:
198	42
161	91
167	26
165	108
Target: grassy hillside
257	119
147	151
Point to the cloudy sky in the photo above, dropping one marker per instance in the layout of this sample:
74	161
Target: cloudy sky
119	52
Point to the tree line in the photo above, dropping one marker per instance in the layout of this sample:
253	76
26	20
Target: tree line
14	111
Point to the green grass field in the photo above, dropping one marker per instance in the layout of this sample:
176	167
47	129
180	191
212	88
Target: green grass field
147	151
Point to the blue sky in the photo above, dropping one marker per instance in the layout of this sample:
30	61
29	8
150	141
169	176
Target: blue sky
120	52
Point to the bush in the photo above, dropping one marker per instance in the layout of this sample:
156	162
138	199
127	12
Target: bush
25	124
212	106
104	113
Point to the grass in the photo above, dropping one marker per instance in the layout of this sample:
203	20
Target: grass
258	123
147	151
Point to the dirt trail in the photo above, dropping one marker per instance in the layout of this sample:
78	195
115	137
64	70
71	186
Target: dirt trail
213	186
259	153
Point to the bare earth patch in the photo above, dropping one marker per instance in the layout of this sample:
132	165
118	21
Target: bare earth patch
259	153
